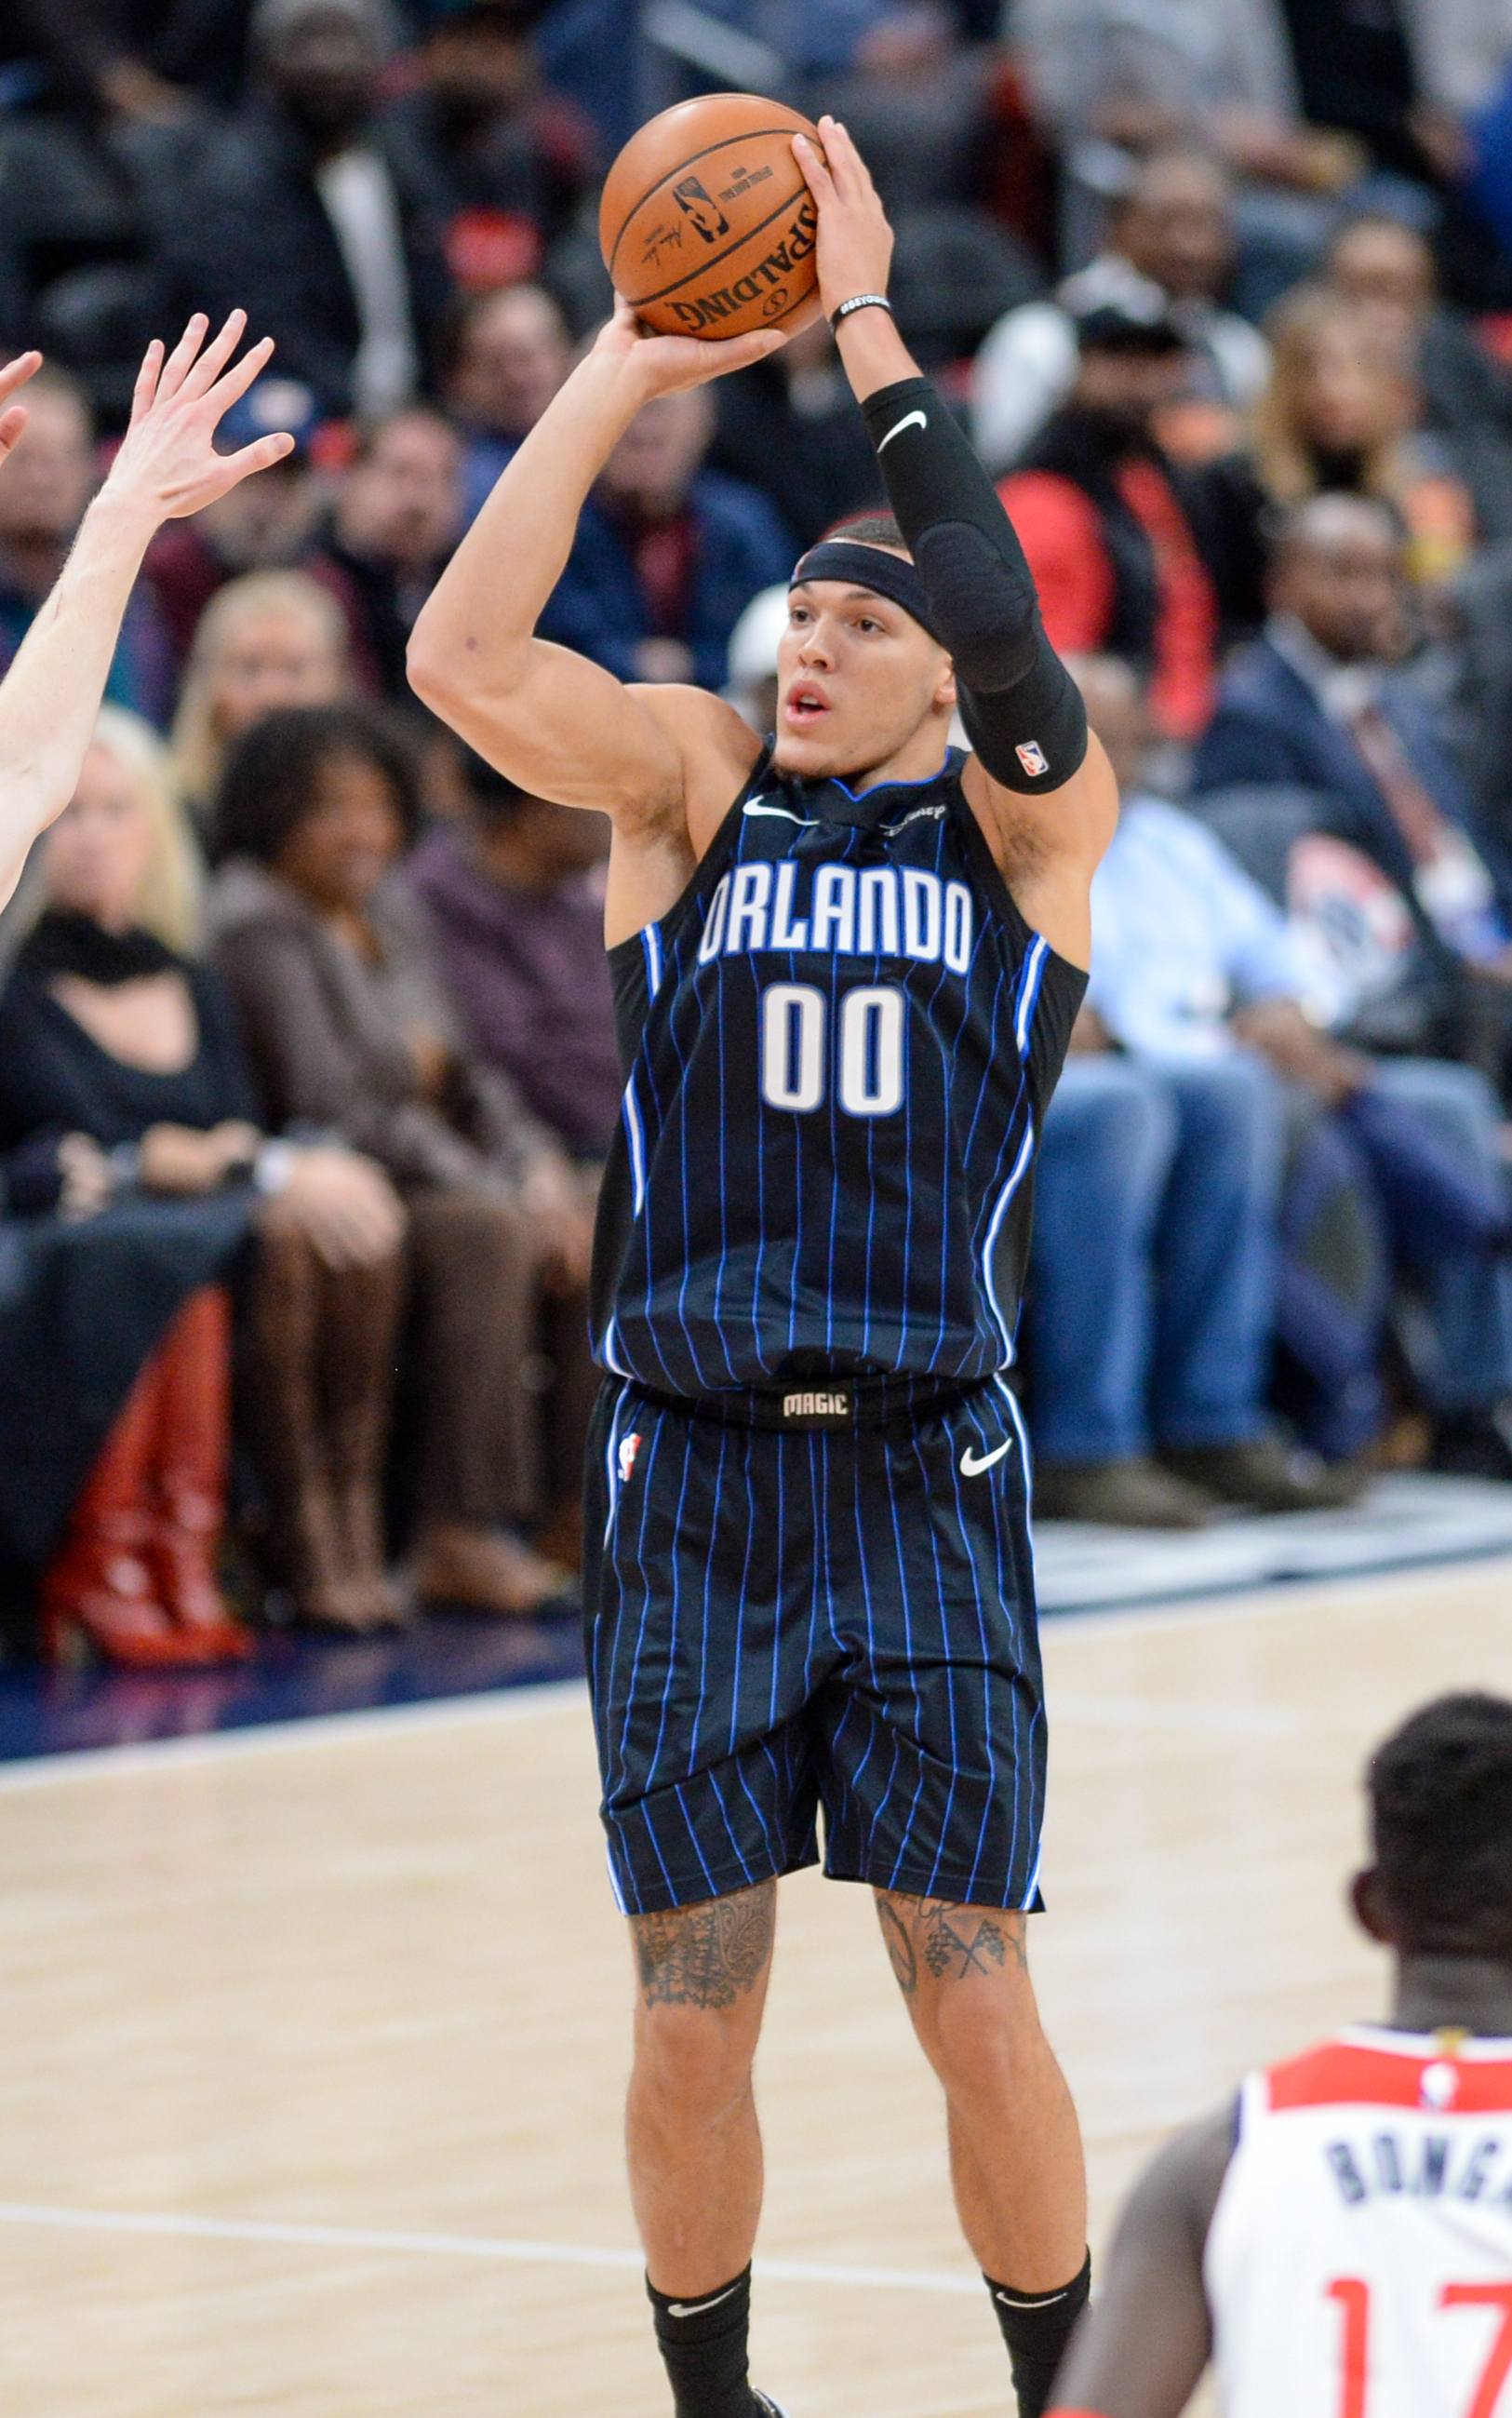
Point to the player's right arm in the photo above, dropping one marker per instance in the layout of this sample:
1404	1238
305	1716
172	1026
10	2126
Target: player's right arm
1142	2348
559	725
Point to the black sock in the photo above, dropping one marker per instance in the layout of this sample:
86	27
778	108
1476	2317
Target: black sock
1036	2327
703	2342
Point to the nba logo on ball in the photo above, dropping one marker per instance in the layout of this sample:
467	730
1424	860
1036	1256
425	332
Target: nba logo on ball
1032	756
701	206
629	1448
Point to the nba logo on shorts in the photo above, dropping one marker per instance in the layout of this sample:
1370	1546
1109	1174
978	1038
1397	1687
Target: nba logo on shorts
1032	756
629	1448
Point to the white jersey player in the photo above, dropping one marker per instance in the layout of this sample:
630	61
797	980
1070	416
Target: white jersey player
1338	2243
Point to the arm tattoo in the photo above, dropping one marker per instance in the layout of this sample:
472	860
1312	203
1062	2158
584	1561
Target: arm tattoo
706	1956
948	1940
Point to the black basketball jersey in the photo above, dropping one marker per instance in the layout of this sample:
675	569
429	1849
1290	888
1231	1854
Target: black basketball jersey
839	1046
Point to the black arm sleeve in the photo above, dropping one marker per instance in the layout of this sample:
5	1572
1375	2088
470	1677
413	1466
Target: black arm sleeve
1023	711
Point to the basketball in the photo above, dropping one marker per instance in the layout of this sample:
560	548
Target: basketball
707	225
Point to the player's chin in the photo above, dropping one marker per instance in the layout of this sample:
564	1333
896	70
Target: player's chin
815	749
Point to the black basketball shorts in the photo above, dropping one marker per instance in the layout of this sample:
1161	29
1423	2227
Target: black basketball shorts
839	1618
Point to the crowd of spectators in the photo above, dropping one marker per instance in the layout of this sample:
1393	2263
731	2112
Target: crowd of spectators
307	1068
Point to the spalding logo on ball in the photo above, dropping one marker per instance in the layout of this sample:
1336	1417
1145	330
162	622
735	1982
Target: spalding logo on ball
707	225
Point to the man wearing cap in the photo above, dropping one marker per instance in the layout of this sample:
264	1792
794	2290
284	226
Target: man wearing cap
1132	556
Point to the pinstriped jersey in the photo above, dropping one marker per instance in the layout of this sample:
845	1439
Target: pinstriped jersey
1359	2260
838	1046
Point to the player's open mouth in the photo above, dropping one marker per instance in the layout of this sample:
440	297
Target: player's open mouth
804	706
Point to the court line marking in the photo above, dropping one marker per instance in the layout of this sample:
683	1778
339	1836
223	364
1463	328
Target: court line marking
531	1698
502	1705
444	2245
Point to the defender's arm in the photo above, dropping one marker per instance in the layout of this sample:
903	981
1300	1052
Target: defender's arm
559	725
1142	2346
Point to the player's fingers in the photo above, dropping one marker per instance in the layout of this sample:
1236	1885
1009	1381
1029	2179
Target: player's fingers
16	373
817	175
230	389
260	456
739	352
841	157
177	367
210	363
11	425
144	393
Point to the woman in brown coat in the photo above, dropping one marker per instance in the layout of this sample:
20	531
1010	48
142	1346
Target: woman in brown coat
348	1035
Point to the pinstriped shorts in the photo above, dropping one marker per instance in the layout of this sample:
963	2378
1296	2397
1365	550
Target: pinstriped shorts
830	1625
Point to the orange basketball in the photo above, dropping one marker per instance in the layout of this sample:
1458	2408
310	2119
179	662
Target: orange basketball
706	224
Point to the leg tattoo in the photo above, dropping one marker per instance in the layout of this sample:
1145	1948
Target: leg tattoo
947	1939
706	1956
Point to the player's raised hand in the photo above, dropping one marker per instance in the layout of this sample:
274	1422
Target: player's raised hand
167	463
13	421
855	245
671	364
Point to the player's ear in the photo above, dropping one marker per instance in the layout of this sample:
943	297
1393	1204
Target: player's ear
1369	1905
945	693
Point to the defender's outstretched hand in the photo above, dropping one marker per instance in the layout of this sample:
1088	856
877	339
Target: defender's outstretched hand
167	462
15	374
855	245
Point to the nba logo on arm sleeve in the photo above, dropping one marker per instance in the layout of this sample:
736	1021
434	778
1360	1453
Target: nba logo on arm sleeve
1032	755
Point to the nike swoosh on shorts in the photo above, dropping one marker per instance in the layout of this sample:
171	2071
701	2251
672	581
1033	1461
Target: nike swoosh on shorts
974	1463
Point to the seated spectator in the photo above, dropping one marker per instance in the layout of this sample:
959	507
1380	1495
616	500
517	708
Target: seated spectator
503	163
1386	269
1128	550
1193	966
1172	230
667	555
300	201
790	427
1113	82
1314	707
1153	1278
133	1159
42	501
511	353
388	538
274	638
263	525
513	900
347	1031
1341	417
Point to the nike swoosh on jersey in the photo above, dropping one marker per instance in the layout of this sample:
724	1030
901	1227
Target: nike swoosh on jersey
974	1463
784	814
910	420
696	2309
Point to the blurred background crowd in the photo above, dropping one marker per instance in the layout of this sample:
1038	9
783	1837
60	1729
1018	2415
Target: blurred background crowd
306	1061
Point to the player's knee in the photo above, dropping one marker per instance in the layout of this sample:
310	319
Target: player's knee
692	2064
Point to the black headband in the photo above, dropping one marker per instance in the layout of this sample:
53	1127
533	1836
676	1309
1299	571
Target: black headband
868	566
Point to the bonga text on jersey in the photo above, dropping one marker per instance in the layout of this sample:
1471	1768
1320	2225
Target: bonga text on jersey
838	1047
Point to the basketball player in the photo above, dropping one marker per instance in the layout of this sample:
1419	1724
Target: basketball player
166	468
846	967
1339	2241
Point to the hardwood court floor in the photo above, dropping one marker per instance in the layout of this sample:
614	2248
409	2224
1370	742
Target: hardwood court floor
365	1980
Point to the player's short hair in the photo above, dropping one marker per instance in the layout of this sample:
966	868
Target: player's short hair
870	528
1441	1803
273	772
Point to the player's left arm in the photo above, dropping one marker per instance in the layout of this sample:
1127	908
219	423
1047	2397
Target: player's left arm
1142	2348
1039	784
